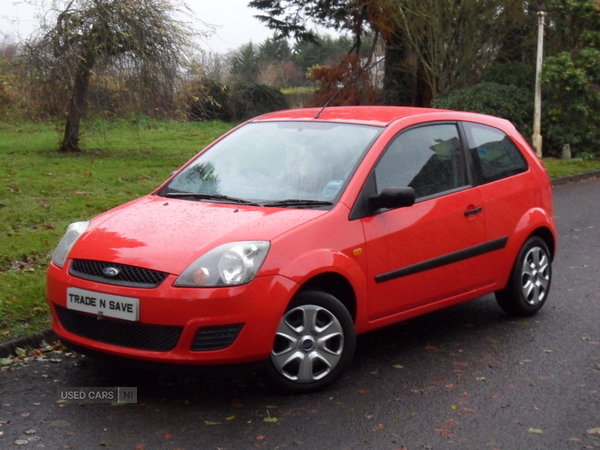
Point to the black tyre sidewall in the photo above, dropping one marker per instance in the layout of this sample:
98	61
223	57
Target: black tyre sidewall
511	299
333	305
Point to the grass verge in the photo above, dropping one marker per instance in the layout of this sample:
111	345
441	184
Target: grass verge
42	191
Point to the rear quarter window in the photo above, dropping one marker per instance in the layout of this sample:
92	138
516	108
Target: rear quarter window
494	154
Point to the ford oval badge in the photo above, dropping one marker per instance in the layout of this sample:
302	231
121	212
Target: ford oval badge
110	272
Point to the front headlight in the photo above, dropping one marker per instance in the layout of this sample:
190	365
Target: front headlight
74	231
227	265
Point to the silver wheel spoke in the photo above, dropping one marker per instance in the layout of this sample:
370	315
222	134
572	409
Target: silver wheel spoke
535	275
309	344
305	372
287	330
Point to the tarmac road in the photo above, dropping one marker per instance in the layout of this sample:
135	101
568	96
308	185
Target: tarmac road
468	377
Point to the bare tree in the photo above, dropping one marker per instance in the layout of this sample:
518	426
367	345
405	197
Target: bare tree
452	40
143	38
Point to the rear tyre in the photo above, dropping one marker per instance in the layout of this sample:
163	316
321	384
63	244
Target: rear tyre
314	343
529	284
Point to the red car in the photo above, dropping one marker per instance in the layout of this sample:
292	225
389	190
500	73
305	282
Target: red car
300	229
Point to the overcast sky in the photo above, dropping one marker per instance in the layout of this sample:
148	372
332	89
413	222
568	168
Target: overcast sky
234	21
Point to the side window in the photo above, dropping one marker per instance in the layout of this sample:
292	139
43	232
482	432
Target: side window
429	159
494	154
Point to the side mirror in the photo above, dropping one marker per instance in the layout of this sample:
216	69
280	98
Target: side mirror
392	198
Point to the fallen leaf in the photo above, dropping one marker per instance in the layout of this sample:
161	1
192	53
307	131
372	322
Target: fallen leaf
594	431
379	427
209	423
6	362
271	419
445	430
398	366
260	437
167	435
535	431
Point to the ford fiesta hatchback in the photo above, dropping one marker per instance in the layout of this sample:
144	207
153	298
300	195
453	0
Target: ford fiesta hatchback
298	230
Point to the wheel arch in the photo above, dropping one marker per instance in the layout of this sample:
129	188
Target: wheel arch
548	237
535	222
336	285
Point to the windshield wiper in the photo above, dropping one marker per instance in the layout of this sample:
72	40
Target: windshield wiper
298	203
218	197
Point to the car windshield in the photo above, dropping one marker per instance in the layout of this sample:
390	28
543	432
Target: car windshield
287	164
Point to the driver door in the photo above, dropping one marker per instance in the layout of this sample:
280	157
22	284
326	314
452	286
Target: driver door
424	253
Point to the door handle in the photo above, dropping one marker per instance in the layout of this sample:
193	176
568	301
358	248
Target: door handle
472	212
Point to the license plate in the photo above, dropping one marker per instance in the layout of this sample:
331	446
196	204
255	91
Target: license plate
101	304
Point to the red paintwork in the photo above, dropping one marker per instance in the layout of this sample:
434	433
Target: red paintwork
168	234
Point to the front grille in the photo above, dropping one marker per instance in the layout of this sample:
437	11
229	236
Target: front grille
160	338
215	338
130	276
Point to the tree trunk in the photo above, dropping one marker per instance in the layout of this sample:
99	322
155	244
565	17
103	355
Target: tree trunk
398	83
70	141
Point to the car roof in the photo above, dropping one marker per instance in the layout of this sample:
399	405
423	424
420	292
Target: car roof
366	115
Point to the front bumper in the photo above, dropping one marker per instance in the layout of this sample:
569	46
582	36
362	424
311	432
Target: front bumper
193	326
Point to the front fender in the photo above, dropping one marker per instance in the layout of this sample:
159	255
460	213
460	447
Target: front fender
351	266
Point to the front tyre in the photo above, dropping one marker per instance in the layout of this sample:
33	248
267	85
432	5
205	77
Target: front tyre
529	284
314	343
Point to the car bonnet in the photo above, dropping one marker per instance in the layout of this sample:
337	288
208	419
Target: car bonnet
168	234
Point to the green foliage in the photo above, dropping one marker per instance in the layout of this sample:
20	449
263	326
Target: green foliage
212	100
249	100
274	50
42	191
298	96
324	50
510	102
575	25
244	64
514	73
209	100
572	101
